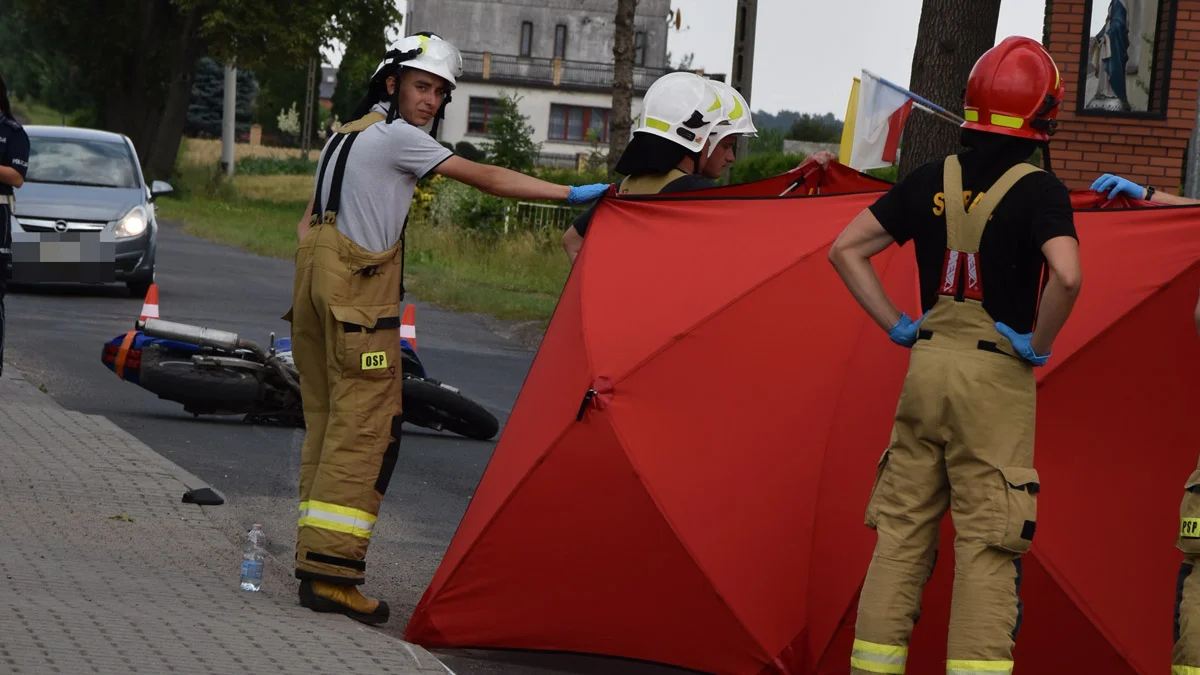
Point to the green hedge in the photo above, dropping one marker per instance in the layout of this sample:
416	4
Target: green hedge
275	166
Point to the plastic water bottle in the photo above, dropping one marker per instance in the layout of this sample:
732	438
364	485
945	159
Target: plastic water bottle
252	559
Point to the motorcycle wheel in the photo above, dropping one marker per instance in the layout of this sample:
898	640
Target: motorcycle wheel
430	403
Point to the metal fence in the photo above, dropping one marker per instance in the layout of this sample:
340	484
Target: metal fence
509	69
529	217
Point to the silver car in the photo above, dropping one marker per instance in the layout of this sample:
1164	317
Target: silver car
85	213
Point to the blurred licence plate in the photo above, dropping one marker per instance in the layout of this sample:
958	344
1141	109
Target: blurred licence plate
63	256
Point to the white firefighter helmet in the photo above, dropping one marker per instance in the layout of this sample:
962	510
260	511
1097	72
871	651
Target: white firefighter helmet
433	55
683	108
737	112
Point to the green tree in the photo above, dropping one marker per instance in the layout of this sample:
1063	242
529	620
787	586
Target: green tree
133	61
365	46
766	142
510	136
816	128
206	111
279	89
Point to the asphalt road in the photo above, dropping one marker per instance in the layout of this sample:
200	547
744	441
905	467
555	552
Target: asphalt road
55	335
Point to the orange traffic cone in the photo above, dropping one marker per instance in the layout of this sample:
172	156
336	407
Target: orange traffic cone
408	326
150	306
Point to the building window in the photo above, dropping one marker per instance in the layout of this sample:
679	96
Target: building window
639	48
526	38
573	123
479	113
560	41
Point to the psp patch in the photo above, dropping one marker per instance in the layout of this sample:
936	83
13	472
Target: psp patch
374	360
1189	528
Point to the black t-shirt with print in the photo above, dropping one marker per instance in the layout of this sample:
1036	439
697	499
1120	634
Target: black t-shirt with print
686	183
1035	210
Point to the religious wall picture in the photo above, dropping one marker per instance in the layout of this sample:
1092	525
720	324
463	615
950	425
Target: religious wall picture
1120	56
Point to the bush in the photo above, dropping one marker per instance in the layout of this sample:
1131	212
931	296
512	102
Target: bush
510	137
888	173
758	167
469	152
457	204
275	166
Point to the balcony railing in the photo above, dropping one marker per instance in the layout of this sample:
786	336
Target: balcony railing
560	73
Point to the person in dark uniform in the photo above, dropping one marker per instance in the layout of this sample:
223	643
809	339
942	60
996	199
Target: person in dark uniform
14	163
986	224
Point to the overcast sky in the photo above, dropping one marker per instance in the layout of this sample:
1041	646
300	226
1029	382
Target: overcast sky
809	51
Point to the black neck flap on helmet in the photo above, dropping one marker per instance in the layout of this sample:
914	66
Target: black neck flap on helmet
1046	126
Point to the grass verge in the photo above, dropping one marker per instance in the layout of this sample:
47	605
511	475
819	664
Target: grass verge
517	278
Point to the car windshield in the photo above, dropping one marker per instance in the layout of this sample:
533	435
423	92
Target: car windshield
72	161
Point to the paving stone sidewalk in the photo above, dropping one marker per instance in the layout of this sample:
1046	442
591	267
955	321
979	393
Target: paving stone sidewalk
104	570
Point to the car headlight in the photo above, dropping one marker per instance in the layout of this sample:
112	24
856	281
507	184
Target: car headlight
133	224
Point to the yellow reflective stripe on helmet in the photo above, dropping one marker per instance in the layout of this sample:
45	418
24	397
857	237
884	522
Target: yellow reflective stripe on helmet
1007	121
1185	670
716	105
658	124
737	109
336	518
876	658
971	115
978	667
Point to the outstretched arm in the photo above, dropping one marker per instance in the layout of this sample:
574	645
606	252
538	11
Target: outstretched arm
499	181
851	256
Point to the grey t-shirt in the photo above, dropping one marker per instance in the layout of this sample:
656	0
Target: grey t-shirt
382	172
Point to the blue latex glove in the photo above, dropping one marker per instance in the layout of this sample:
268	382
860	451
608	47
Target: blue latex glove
904	333
1115	185
1021	343
586	193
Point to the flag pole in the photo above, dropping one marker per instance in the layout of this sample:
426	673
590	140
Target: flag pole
929	105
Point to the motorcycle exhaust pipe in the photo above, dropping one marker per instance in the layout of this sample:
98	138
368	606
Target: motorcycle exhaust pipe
182	332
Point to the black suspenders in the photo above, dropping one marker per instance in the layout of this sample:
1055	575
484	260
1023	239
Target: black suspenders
339	174
335	193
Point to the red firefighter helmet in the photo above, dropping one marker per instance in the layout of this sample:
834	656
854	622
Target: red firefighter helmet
1014	89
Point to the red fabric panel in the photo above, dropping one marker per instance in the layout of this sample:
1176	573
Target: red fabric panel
720	491
544	410
580	559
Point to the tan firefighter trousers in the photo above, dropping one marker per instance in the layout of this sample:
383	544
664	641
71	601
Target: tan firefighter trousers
962	440
1185	657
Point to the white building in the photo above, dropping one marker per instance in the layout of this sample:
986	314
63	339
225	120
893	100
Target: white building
556	55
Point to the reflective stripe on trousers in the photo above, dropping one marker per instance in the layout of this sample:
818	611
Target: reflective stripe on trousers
978	667
337	518
877	658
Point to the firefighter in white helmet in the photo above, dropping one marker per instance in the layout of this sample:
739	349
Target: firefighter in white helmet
666	154
345	311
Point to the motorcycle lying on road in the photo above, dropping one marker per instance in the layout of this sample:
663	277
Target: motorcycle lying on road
214	372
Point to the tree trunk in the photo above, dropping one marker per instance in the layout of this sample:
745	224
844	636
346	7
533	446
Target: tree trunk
165	145
951	37
622	104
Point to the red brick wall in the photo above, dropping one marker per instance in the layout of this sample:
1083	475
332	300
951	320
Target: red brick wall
1148	151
